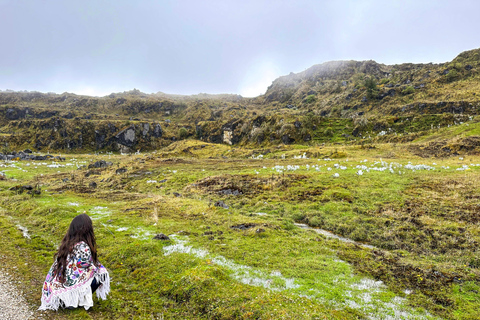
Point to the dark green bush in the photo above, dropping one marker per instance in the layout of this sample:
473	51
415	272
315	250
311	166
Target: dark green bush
408	90
183	133
310	98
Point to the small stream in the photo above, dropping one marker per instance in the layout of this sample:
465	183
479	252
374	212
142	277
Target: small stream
329	234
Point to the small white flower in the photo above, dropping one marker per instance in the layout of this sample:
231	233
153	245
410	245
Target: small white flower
336	175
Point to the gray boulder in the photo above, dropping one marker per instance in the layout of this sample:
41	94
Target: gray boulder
126	137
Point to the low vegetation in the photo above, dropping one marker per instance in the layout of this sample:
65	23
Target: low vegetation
403	231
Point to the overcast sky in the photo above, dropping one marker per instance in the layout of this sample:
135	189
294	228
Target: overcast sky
187	47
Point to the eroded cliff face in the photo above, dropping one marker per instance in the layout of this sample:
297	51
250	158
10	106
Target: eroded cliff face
62	134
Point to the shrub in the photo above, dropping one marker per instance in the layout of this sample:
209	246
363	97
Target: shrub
452	75
288	225
408	90
310	98
384	81
315	221
287	128
183	133
328	132
360	121
255	133
298	216
371	85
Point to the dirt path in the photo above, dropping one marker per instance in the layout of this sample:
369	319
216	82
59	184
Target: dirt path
13	305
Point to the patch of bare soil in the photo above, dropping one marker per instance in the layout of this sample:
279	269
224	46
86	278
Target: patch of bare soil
244	184
447	148
390	268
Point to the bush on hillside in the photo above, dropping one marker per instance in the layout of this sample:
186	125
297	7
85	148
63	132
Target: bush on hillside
408	90
183	133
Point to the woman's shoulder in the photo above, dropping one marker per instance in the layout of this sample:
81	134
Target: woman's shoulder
81	246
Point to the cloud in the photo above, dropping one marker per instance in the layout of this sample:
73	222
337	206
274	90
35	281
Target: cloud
258	78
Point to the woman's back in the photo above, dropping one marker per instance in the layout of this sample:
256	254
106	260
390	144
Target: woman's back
75	274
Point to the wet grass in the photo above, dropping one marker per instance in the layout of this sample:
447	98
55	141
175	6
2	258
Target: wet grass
423	223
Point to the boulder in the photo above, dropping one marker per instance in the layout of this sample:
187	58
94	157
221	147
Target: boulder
286	139
126	137
221	204
120	170
100	164
146	129
161	236
157	131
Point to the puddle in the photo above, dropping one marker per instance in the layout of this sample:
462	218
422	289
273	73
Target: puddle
329	234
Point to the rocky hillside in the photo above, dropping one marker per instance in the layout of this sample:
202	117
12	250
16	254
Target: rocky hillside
334	102
352	88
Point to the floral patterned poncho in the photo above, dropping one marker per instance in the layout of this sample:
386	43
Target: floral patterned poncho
76	290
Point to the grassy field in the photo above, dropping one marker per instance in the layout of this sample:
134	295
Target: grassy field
390	235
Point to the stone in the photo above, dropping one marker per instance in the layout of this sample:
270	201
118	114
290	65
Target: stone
27	151
100	164
230	192
243	226
126	137
364	99
287	140
120	170
157	131
92	185
221	204
297	124
146	129
227	137
161	236
176	194
91	173
468	67
257	122
259	230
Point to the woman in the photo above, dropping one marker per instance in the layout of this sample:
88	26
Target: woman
76	272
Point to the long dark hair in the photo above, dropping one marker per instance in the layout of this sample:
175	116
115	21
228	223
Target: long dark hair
81	229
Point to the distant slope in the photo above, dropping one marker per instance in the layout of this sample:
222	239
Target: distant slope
333	102
347	88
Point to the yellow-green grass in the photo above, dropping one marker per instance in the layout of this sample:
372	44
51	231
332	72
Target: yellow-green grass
399	214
